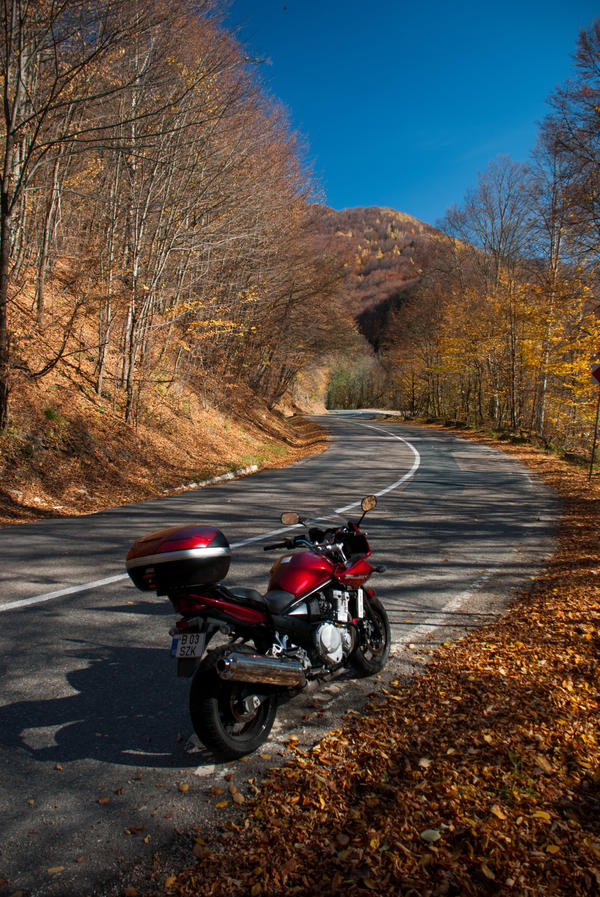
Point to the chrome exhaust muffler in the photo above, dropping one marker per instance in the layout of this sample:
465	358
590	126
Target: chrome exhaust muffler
257	668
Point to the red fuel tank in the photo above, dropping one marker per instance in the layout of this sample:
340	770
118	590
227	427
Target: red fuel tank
299	573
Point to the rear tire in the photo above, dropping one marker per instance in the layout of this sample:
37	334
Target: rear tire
221	721
371	654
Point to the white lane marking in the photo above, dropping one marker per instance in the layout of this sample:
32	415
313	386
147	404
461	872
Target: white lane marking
262	536
72	590
407	476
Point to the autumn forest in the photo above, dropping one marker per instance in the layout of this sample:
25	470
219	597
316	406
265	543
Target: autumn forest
155	216
160	226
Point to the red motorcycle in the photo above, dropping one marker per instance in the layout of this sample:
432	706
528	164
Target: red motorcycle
315	618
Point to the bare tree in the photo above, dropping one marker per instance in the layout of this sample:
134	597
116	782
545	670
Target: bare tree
145	165
552	176
495	216
50	56
575	128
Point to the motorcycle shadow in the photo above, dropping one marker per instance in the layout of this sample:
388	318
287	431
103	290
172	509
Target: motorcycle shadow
126	707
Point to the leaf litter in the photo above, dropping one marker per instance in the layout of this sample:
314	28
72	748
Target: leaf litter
481	777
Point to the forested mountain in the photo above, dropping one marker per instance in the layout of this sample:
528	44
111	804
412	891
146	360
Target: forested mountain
379	248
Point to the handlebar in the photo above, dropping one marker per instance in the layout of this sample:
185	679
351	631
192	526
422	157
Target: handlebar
315	544
273	546
334	542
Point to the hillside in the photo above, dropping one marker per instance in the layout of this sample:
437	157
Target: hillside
380	248
68	452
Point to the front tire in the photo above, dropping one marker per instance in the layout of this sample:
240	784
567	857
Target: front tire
225	724
371	654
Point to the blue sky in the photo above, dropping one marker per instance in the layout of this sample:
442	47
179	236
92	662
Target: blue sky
402	103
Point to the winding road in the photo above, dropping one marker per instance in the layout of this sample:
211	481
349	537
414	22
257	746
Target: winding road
97	767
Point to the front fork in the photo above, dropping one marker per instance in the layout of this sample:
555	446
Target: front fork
363	596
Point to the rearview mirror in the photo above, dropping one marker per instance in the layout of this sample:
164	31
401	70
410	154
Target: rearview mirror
290	518
368	503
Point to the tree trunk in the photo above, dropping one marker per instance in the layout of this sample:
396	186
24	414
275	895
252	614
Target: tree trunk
4	334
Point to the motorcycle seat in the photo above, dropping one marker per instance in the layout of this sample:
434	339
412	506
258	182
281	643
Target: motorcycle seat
251	595
275	601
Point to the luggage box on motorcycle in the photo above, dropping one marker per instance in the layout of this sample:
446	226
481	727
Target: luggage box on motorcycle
178	557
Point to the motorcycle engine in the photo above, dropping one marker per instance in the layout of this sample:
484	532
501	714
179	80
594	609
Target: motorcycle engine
332	642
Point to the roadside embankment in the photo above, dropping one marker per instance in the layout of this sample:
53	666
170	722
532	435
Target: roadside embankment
77	456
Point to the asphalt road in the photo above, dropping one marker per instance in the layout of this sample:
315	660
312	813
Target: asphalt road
95	739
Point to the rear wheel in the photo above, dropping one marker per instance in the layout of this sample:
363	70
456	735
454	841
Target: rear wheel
231	718
371	653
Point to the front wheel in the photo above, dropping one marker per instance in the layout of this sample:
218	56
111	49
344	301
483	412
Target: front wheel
231	718
373	648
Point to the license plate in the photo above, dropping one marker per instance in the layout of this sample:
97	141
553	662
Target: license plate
188	644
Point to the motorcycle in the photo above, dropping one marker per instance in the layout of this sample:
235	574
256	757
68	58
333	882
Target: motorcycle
316	618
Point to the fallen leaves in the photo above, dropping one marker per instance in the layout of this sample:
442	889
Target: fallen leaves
431	835
487	872
200	850
542	814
